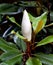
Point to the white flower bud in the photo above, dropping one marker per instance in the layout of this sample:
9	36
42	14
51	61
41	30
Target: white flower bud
26	26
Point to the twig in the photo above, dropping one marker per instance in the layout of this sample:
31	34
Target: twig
51	24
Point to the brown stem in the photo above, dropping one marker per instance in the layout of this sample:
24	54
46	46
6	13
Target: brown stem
24	59
28	49
27	53
33	39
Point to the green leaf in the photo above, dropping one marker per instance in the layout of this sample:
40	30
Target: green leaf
32	18
11	54
33	61
12	19
5	47
45	58
6	8
17	34
3	63
46	40
21	44
8	55
15	59
12	45
39	22
27	4
20	36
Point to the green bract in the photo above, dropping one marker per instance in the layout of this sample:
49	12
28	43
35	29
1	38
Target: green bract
38	22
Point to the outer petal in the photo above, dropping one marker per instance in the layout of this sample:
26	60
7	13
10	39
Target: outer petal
26	26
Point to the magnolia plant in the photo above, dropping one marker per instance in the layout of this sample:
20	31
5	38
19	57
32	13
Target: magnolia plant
21	53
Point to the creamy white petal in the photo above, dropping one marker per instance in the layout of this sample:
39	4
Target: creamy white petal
26	26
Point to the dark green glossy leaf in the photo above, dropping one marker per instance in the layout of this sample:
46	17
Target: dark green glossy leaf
5	47
46	40
12	45
6	8
21	44
15	59
27	4
8	55
45	58
11	55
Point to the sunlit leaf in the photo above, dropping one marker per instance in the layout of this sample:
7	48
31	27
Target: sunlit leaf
45	58
38	22
12	19
46	40
20	36
17	34
33	61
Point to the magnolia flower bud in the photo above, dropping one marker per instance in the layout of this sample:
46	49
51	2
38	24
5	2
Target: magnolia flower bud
26	26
